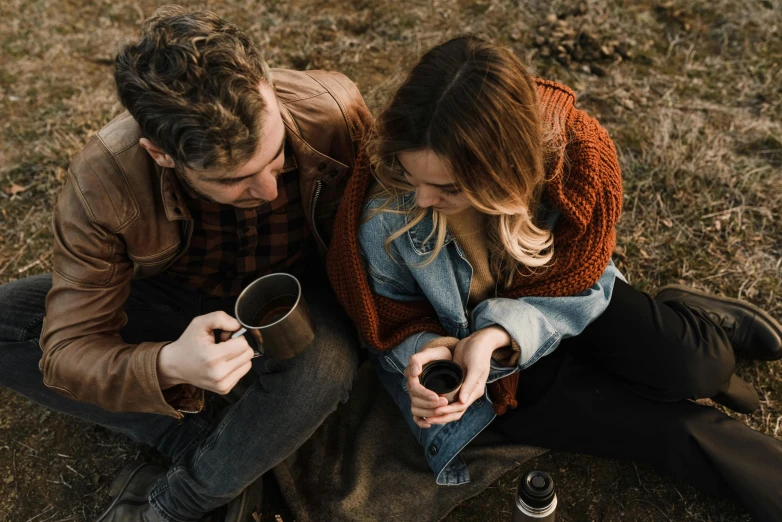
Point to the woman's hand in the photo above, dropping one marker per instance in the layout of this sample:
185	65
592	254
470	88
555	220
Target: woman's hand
424	401
473	354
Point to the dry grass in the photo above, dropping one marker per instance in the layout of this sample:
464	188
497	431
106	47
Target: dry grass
690	91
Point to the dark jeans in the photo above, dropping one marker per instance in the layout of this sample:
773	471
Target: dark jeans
617	391
213	460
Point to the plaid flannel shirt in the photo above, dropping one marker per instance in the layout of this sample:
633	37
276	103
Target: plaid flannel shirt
231	247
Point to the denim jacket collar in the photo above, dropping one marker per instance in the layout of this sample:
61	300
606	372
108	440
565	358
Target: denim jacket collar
423	229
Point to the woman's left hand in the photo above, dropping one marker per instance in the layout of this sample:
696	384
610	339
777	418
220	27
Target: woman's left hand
473	354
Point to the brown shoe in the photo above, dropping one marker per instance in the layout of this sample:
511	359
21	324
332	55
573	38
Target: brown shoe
130	492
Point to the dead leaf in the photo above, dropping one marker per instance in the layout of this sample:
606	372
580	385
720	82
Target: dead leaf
14	189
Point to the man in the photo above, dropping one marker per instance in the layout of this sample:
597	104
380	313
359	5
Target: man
220	172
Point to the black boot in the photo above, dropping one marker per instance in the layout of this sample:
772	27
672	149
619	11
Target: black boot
131	494
753	333
247	506
738	395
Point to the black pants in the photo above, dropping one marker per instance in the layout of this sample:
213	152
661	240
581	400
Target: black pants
618	390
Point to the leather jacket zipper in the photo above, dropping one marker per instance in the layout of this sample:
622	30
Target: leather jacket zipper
315	196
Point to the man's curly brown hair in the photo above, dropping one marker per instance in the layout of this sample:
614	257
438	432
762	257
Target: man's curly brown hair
192	83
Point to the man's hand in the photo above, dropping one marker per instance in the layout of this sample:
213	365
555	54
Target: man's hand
196	359
473	354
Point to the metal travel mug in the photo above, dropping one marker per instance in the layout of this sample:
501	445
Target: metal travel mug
275	318
535	498
443	377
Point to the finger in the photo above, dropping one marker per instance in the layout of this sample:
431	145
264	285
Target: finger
227	384
421	422
423	412
454	407
233	348
217	321
417	361
427	403
224	336
238	359
445	419
415	388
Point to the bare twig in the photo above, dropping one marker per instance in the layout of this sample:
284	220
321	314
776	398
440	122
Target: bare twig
46	510
637	474
21	251
70	468
655	506
16	474
761	210
14	258
30	265
26	446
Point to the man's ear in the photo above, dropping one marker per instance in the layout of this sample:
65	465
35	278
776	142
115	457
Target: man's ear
160	157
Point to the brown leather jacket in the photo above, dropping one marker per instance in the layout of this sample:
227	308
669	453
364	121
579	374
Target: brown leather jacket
120	217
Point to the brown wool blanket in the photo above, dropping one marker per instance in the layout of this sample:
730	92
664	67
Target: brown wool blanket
364	464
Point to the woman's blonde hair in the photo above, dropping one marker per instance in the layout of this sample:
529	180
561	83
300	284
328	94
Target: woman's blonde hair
473	104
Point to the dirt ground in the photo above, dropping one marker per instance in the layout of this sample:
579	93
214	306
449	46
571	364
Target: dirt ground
689	90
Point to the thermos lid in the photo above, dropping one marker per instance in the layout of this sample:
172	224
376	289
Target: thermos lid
536	489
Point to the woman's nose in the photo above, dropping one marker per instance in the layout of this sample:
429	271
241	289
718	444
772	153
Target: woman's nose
426	196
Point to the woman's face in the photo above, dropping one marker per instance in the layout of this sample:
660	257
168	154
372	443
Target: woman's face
431	176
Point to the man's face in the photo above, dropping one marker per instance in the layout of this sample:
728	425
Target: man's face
254	182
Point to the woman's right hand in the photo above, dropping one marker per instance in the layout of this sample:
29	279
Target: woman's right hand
424	401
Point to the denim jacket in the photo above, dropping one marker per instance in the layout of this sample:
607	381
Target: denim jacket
537	324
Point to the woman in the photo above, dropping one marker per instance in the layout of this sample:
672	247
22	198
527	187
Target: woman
479	228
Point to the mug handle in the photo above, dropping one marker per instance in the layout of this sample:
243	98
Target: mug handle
250	340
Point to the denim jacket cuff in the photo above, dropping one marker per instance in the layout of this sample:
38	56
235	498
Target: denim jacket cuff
395	360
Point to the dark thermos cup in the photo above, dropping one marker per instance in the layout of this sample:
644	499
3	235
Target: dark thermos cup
535	498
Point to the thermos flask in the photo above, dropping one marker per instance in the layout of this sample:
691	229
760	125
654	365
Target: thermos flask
535	498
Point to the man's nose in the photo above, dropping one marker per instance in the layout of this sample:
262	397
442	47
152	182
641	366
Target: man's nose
264	187
427	196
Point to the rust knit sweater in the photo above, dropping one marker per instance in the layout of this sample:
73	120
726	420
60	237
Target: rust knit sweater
584	184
